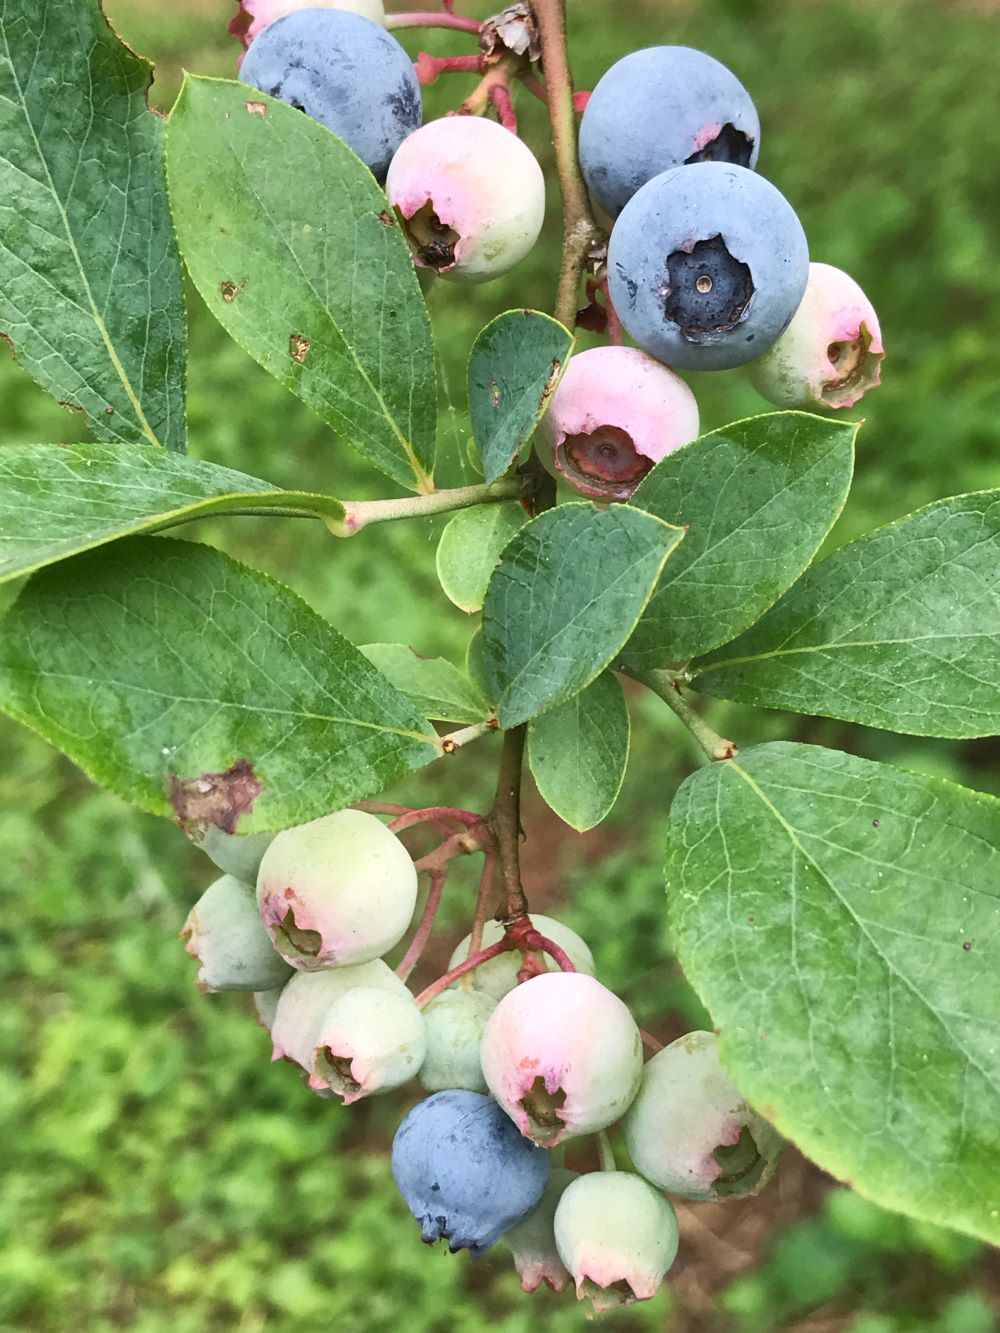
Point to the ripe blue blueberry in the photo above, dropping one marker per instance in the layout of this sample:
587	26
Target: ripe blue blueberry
344	71
465	1171
660	108
707	265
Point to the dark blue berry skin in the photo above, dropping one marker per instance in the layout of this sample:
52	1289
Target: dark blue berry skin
661	108
344	71
466	1172
707	264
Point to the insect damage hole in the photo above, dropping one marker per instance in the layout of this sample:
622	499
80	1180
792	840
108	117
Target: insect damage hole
432	241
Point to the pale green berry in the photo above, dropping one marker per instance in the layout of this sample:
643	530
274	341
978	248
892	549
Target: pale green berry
223	932
533	1242
306	999
455	1022
371	1039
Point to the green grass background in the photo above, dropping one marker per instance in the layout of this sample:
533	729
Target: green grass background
157	1172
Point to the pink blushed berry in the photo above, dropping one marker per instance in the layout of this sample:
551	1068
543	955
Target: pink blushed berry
533	1242
831	353
304	1002
615	414
336	892
562	1055
617	1236
470	196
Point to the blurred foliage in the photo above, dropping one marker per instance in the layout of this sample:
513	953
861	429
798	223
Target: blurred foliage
158	1173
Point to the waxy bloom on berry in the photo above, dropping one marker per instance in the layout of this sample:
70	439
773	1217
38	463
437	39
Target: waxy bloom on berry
615	414
224	933
689	1130
470	195
617	1236
466	1173
562	1055
371	1039
337	891
831	353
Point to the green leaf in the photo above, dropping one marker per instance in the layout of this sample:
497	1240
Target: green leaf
181	679
515	365
758	498
58	500
90	284
438	689
900	629
470	548
564	599
296	252
841	921
578	752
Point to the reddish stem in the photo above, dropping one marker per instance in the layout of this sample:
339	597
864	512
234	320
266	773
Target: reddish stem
469	965
423	931
501	99
616	334
649	1041
430	68
426	20
434	814
580	101
545	945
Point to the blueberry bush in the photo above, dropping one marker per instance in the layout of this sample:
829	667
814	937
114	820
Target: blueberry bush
836	915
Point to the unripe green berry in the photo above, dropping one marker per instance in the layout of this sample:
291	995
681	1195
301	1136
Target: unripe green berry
371	1039
306	999
224	933
455	1022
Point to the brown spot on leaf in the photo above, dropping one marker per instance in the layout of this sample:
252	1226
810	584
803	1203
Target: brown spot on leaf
386	218
230	291
216	798
10	343
256	108
298	347
550	383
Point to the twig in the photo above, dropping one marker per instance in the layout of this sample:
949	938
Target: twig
358	514
505	822
667	687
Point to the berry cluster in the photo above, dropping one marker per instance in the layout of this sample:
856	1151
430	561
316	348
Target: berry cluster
706	267
520	1047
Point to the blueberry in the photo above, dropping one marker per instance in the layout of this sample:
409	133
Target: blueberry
661	108
344	71
465	1171
707	265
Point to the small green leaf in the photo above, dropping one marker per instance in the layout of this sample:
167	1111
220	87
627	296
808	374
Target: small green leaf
578	752
181	679
469	551
841	921
90	280
58	500
564	599
475	664
435	687
515	365
900	629
758	498
297	253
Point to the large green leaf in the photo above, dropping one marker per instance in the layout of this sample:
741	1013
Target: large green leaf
90	287
564	599
758	497
470	548
58	500
515	365
432	684
297	253
578	752
899	630
179	678
841	921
